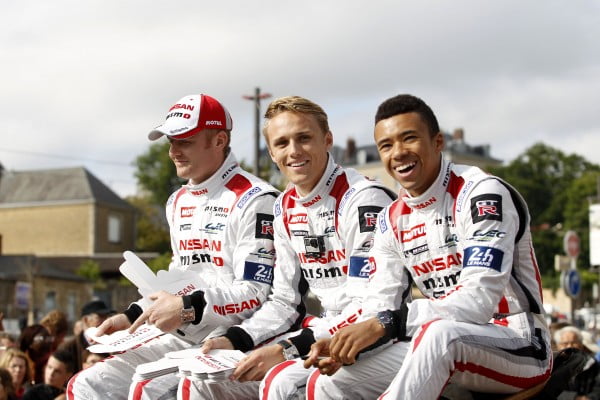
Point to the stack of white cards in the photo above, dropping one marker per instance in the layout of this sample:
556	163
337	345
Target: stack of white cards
215	366
155	369
121	340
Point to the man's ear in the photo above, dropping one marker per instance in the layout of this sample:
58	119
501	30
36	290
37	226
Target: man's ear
438	141
221	139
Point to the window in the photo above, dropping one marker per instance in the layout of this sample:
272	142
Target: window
114	228
50	301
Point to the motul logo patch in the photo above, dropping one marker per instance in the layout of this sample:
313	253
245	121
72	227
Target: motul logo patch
412	233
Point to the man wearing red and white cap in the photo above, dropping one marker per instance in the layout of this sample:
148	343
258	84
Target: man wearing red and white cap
221	227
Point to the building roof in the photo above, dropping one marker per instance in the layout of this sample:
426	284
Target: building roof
17	267
55	186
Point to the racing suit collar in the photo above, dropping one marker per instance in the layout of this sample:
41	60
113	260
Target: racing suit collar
325	183
222	175
434	194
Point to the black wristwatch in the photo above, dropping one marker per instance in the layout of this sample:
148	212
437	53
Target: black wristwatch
386	319
289	350
188	313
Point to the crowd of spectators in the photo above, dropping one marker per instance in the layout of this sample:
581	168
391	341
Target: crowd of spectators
38	363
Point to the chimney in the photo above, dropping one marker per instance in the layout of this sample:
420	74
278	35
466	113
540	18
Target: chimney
350	150
458	135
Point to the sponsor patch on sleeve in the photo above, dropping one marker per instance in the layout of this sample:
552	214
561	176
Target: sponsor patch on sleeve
480	256
264	226
258	272
367	217
359	267
486	206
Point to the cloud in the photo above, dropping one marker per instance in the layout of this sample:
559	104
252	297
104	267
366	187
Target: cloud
89	80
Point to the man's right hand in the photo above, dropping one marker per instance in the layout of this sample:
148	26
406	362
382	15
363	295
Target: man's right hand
113	324
220	342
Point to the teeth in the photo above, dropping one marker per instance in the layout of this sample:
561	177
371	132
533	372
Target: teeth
404	167
298	164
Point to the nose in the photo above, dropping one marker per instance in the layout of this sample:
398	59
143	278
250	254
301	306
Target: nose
294	148
174	147
398	149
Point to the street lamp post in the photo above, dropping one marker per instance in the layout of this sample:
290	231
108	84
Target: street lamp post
258	96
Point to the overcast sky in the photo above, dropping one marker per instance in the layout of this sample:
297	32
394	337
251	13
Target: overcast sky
84	81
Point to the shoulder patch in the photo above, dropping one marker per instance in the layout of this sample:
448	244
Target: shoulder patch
264	226
486	207
367	217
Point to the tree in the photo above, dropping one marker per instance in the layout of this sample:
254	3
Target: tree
90	270
152	228
156	173
555	187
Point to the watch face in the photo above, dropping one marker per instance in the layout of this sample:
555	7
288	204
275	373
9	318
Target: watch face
188	315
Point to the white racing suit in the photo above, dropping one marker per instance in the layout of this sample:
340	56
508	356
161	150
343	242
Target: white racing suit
322	243
223	230
466	245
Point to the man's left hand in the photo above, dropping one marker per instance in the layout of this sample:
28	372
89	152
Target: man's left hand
255	366
350	340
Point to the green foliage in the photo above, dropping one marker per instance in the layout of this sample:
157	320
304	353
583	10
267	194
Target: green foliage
152	228
556	187
160	262
90	270
156	173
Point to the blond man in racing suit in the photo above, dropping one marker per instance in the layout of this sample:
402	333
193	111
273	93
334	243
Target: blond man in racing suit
323	231
462	236
221	228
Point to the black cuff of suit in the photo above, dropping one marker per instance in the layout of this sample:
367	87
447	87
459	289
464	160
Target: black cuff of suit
303	341
400	317
239	339
198	302
133	312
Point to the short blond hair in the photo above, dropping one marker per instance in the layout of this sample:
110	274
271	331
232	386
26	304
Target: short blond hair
299	105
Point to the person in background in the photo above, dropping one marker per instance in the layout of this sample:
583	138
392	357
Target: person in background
7	390
36	342
586	384
93	314
6	341
57	325
56	375
89	358
21	369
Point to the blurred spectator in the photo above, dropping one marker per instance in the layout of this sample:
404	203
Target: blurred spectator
57	324
36	342
6	341
7	390
20	368
554	327
585	385
90	358
57	373
1	321
92	315
77	327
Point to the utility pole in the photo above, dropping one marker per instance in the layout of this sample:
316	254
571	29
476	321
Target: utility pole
258	96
